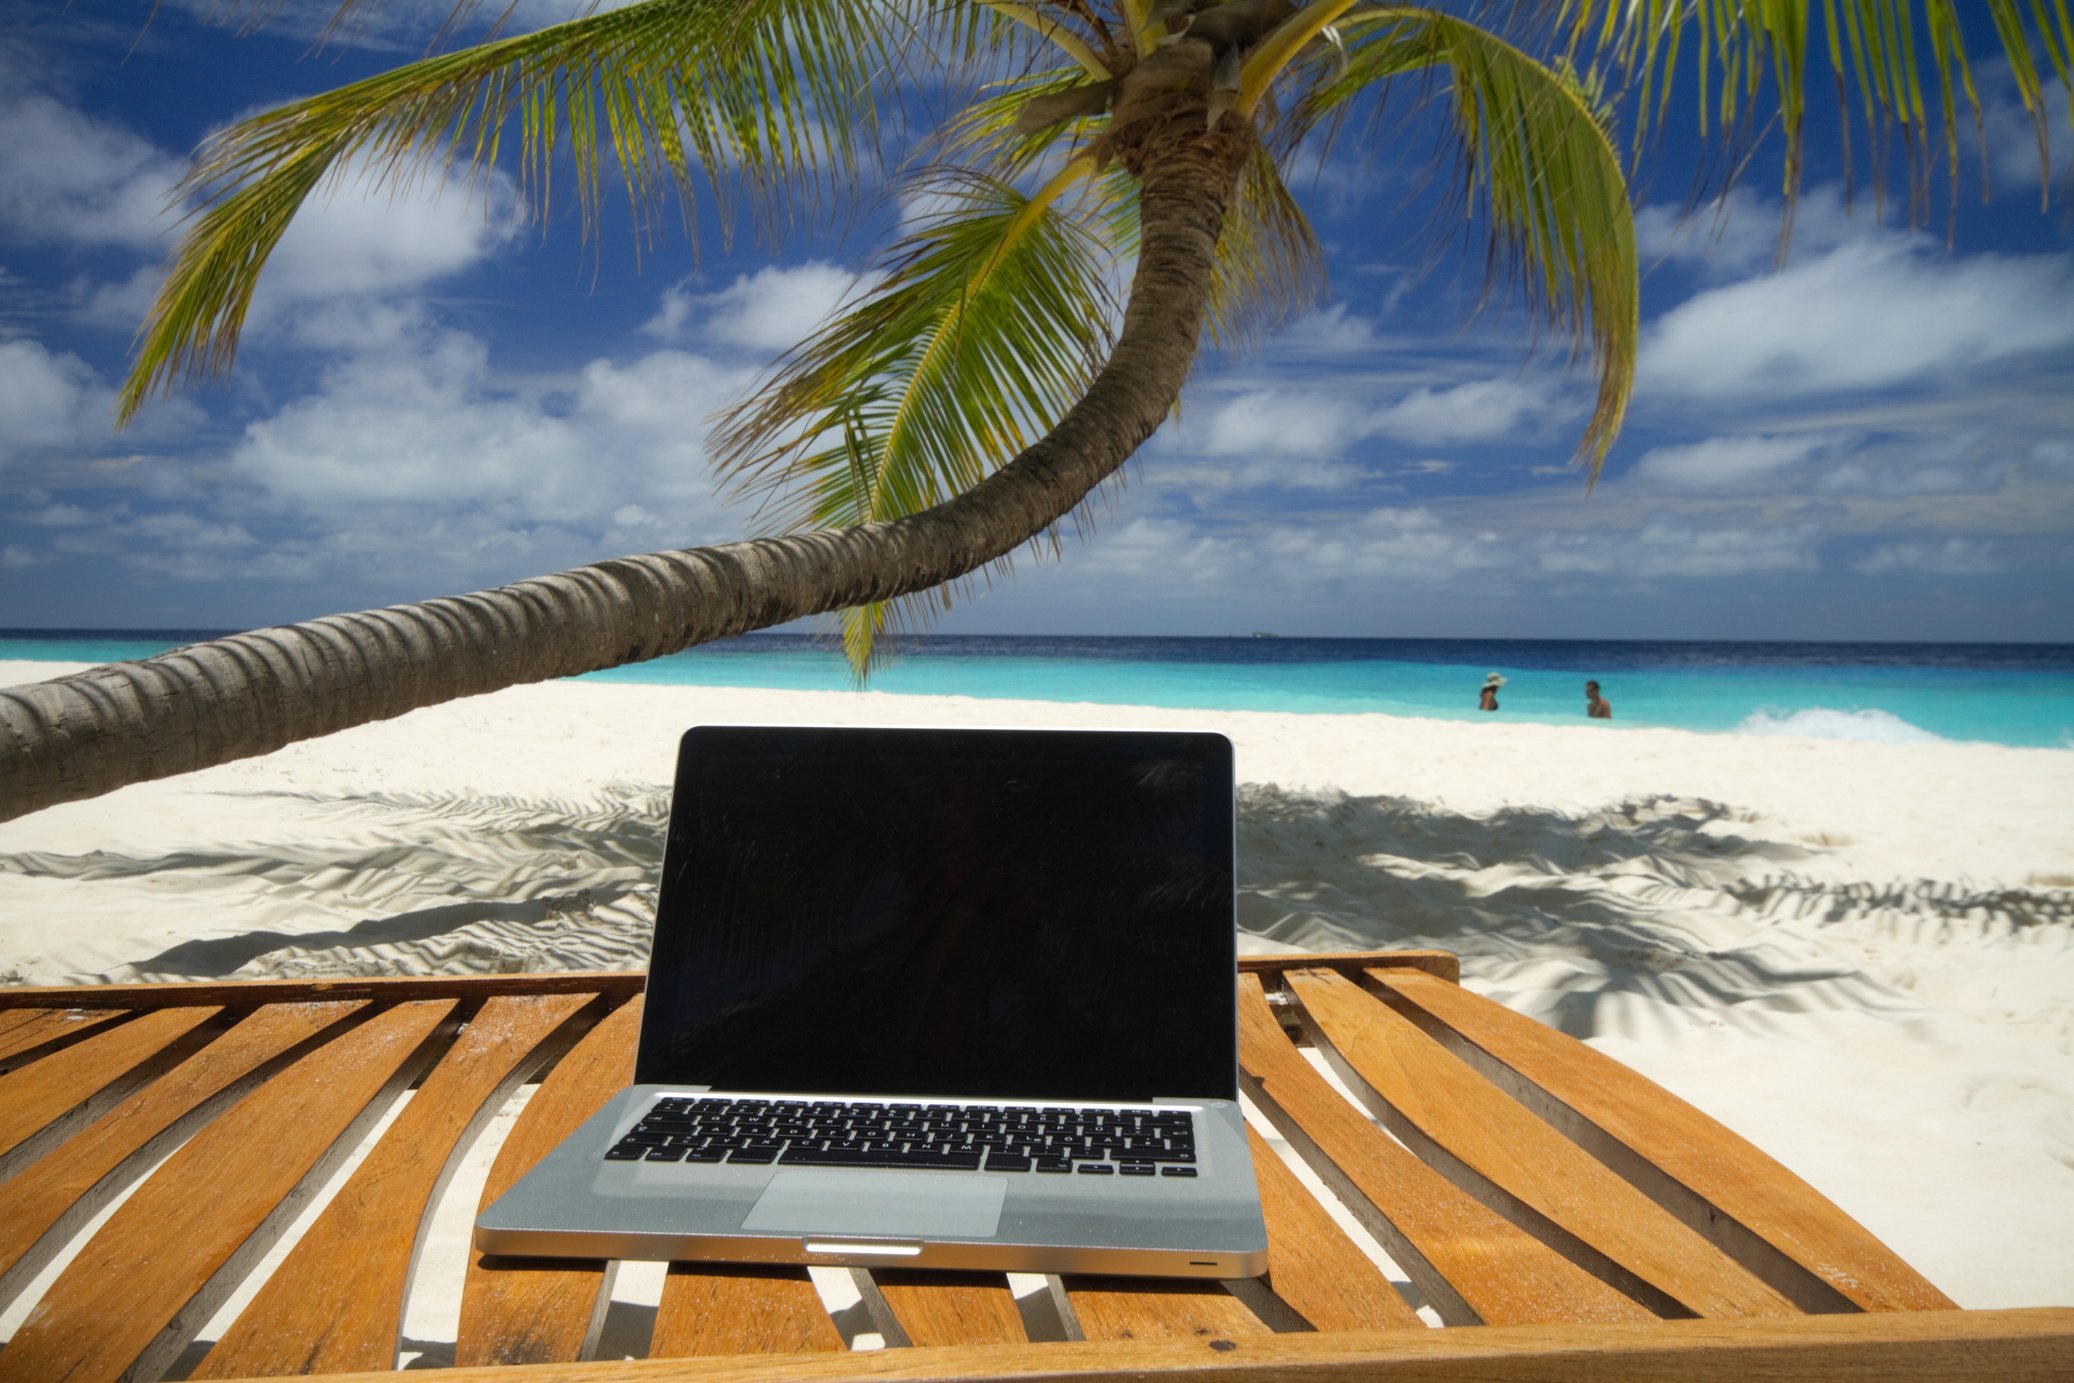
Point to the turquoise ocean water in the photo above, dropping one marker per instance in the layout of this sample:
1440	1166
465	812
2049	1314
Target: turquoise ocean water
2013	694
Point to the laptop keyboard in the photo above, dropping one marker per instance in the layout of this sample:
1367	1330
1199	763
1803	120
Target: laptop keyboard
940	1137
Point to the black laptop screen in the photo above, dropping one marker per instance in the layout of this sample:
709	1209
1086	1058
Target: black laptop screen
958	913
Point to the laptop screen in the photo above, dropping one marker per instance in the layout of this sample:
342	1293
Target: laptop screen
1035	914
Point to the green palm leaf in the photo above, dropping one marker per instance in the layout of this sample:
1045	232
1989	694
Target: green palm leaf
1875	47
772	98
1270	267
988	324
1534	157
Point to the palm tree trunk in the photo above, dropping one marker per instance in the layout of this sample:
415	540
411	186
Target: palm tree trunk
80	736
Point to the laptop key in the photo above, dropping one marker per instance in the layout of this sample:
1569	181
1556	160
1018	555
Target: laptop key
1007	1162
1136	1169
1177	1171
753	1156
1052	1164
1095	1169
666	1154
626	1152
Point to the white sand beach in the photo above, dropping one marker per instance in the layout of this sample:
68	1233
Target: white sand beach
1860	956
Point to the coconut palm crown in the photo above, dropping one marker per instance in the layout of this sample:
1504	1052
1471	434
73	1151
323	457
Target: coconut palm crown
982	385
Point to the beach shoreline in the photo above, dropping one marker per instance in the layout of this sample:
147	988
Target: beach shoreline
1860	956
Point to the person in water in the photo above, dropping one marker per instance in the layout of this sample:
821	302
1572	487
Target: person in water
1595	705
1487	700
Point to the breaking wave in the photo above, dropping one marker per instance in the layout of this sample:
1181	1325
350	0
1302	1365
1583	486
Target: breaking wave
1825	723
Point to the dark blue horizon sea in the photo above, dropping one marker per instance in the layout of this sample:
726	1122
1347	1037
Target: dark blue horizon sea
2010	694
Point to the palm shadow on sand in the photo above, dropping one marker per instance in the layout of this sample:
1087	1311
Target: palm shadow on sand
1666	901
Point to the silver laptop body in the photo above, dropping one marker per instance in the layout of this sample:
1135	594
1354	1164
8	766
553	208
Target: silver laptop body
940	998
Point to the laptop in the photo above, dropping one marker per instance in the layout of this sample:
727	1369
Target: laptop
940	998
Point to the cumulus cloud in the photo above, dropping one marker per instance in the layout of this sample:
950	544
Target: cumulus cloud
354	237
768	311
1952	557
1726	463
68	178
1664	549
1393	545
1273	423
1738	235
50	400
1481	411
429	426
1862	317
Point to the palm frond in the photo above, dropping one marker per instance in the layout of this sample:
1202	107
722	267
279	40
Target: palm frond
1270	267
772	99
1884	51
989	322
1535	159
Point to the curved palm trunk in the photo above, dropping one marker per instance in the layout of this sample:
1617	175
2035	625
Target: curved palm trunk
80	736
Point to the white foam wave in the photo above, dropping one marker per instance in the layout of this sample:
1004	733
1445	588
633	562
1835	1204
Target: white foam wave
1827	723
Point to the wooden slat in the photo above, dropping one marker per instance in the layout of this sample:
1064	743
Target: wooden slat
53	1025
42	1101
933	1309
1890	1347
166	1259
1711	1177
387	989
539	1310
1457	1120
1469	1262
1442	965
1112	1308
61	1191
337	1301
1312	1265
12	1018
726	1308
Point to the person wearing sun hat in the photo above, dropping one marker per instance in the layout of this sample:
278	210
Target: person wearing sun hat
1487	700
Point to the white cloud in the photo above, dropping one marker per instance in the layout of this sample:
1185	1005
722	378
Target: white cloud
1738	236
13	558
1383	545
1265	424
355	237
1952	557
66	177
768	311
1481	411
1864	316
50	400
428	426
1726	463
1664	549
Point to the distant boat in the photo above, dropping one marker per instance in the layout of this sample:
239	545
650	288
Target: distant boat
1265	634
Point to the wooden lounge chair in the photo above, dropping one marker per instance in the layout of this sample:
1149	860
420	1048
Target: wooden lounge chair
1587	1223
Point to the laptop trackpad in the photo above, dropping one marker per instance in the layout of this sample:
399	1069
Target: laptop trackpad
912	1205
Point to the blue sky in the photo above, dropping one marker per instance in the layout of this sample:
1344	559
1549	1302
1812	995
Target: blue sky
435	394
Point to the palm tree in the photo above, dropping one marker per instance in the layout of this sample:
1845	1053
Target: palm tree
977	395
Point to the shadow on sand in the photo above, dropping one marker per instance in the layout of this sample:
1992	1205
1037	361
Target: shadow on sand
1662	902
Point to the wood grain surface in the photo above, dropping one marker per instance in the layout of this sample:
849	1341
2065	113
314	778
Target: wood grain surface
1110	1308
165	1260
1713	1178
726	1308
536	1310
1470	1263
933	1309
49	1027
1312	1265
2019	1346
336	1302
42	1102
1492	1145
64	1189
